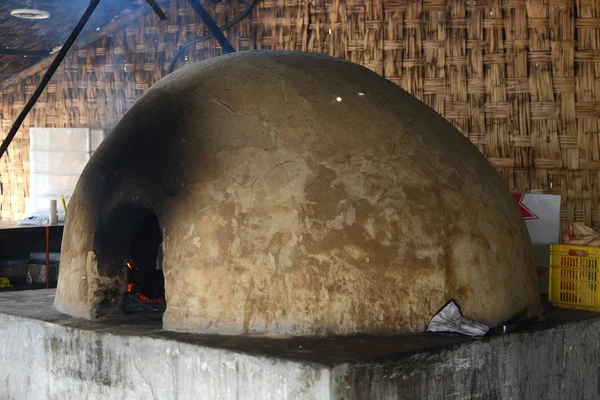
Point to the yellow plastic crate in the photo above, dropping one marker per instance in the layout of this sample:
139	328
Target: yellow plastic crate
574	277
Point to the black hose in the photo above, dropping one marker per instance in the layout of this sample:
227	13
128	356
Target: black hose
212	26
48	75
157	9
210	35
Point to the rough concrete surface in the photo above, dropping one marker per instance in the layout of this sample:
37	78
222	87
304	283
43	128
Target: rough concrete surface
555	364
297	194
48	355
40	361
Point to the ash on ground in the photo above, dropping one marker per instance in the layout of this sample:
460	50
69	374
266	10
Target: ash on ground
133	305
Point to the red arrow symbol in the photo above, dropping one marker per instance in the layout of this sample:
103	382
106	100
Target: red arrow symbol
525	212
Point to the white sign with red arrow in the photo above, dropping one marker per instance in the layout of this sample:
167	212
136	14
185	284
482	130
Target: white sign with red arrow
541	213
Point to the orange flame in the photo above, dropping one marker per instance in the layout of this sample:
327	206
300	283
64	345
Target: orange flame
144	299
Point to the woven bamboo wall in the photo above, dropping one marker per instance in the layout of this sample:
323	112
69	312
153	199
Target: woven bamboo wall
519	78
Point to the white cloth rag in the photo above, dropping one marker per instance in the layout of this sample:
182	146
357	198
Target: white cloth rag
450	320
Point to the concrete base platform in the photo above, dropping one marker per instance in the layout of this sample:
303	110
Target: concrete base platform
48	355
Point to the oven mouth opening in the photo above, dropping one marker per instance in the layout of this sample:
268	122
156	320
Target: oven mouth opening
146	282
128	250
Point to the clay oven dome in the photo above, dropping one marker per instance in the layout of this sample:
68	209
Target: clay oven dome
296	194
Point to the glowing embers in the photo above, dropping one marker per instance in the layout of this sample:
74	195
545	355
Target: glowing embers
145	290
153	284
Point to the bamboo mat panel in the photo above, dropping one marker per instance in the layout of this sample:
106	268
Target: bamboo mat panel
519	78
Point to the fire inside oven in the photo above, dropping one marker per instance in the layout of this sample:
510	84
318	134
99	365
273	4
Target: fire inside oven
146	283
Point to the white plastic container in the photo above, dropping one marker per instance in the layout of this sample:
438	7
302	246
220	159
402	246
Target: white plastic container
53	217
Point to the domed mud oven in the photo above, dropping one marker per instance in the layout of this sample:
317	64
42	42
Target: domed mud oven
295	194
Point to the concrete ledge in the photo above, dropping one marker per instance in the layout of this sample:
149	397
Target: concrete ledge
47	355
41	360
557	363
